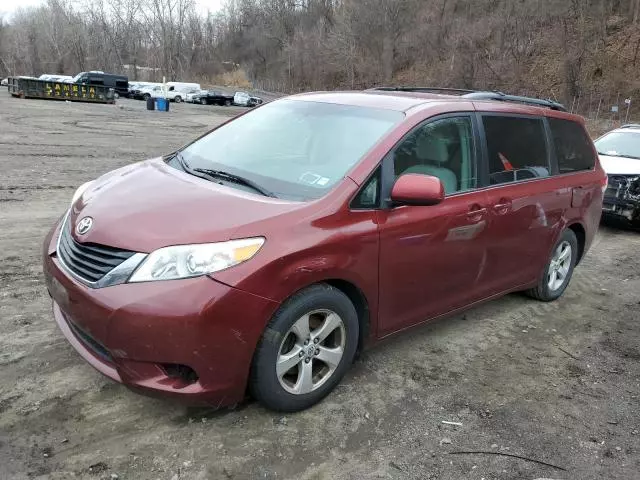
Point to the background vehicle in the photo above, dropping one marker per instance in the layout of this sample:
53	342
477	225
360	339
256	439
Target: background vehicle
243	99
174	91
138	89
213	97
619	152
407	206
56	78
177	91
120	83
4	82
192	93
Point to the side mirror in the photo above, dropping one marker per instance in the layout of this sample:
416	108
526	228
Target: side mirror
417	189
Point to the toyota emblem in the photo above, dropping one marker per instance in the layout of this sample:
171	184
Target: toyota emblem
84	225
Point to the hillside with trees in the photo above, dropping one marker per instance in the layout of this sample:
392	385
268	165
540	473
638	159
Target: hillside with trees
584	53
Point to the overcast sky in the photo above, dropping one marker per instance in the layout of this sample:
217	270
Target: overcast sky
8	6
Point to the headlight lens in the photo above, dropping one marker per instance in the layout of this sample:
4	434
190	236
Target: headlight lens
186	261
81	189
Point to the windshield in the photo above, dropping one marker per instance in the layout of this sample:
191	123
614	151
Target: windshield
78	77
295	149
620	144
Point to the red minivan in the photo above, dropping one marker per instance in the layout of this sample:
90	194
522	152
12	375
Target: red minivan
262	256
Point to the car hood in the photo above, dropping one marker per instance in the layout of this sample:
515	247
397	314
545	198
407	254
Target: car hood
150	205
620	165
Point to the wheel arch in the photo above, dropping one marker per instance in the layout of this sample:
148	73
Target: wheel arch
357	297
361	304
581	235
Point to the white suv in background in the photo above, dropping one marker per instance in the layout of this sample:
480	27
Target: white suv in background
619	152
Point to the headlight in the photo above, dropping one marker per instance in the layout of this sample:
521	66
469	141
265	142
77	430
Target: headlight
185	261
81	189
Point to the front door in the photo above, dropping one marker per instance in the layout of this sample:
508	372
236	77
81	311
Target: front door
431	257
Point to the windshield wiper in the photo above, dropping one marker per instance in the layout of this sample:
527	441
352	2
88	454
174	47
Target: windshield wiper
235	179
183	163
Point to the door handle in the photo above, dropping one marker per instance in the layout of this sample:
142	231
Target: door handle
503	206
476	213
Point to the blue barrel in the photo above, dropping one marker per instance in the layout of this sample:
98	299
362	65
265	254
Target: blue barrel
163	104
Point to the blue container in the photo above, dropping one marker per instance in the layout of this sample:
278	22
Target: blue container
163	104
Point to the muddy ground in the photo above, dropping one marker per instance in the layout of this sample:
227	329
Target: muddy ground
558	383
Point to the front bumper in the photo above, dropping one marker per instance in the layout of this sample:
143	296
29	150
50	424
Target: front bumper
626	209
137	334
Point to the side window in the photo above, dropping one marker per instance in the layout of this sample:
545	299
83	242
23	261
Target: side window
96	81
517	149
572	145
441	148
369	195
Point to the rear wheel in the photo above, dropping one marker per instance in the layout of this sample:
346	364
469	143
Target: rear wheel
559	269
305	350
146	96
203	101
227	103
178	99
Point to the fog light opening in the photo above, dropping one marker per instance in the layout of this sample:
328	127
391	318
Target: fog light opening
184	373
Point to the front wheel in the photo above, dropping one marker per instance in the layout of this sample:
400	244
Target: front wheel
559	269
305	350
227	103
203	101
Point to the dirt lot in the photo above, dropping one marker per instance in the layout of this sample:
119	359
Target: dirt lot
558	383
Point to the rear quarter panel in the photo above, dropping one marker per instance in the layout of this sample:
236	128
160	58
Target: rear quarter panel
581	194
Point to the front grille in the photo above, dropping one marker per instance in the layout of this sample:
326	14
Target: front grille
617	185
622	186
88	261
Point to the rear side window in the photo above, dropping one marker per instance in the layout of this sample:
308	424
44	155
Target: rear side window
572	145
516	148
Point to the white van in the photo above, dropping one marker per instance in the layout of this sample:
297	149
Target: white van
177	91
173	91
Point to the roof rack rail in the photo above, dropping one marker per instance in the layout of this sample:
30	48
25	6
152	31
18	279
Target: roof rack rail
422	89
503	97
478	95
631	125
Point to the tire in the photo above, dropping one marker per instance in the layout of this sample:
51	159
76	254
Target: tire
326	309
146	96
203	101
116	95
227	103
545	291
178	99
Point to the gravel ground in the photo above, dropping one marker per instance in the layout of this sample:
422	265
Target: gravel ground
558	383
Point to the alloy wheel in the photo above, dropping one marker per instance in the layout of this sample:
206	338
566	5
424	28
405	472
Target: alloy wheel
560	266
311	351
